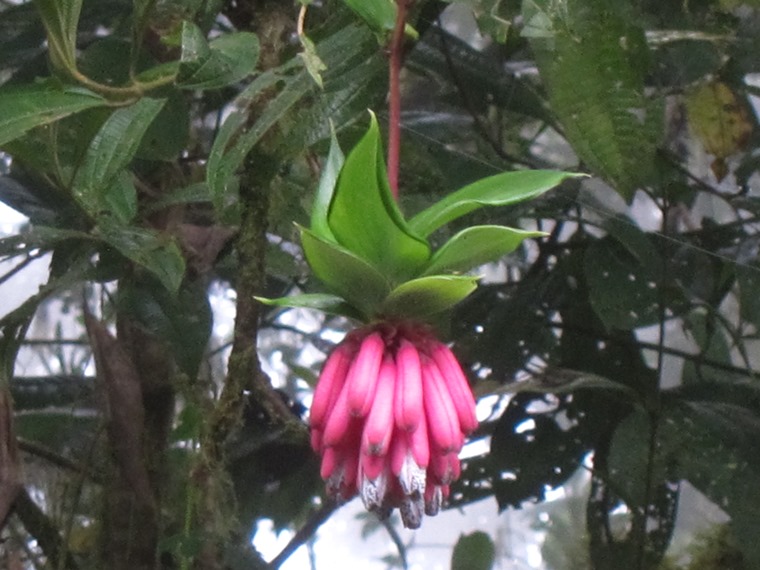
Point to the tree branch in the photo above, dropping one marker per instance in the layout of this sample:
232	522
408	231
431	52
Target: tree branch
304	533
44	531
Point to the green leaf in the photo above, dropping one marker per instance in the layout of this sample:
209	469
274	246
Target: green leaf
623	290
711	444
344	273
380	15
184	319
475	551
168	134
195	193
155	252
330	304
60	18
364	217
498	190
475	246
311	60
120	197
22	109
325	191
37	237
594	62
227	156
226	60
427	296
110	152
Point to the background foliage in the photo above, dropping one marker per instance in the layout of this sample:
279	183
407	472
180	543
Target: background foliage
161	150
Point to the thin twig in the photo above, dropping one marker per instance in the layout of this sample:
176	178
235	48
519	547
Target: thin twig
656	346
304	533
44	531
43	452
398	543
480	127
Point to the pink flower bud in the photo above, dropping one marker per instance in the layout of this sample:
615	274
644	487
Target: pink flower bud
459	388
330	383
443	425
362	376
409	407
379	425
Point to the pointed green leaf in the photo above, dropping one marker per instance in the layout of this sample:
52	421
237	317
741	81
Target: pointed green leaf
233	144
156	253
428	295
364	217
61	18
594	63
475	246
120	197
344	273
22	109
111	151
330	304
499	190
326	189
225	60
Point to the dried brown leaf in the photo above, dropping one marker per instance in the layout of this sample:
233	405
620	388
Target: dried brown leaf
123	405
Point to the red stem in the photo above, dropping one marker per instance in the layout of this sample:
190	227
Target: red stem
394	96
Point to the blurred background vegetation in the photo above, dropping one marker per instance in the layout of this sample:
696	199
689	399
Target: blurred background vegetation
159	152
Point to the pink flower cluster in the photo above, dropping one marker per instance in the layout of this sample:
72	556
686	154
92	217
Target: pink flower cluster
389	417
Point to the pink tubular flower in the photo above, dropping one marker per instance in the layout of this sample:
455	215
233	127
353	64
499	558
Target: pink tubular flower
389	417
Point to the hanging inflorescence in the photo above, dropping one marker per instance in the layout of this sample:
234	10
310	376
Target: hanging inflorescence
389	418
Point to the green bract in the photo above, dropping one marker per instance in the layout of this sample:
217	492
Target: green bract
375	263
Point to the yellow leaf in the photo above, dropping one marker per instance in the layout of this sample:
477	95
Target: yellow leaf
720	120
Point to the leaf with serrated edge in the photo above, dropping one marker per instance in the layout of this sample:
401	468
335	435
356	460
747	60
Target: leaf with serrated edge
111	151
157	254
429	295
23	109
475	246
498	190
225	60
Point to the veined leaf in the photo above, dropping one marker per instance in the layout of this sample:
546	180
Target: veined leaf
110	152
38	237
593	62
344	273
498	190
22	109
61	18
475	246
226	160
364	217
156	253
427	296
325	191
225	60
